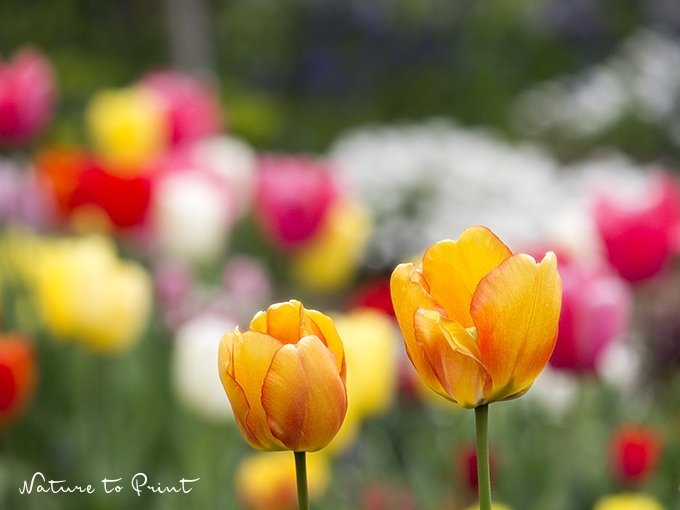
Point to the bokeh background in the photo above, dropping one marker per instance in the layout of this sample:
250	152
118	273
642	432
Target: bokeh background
170	167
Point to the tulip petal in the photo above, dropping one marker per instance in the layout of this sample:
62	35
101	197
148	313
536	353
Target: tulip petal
282	321
409	293
453	269
252	353
322	326
453	356
516	309
237	397
303	395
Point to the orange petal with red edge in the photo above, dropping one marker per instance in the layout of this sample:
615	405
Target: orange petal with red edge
323	327
453	356
516	310
251	355
408	294
453	269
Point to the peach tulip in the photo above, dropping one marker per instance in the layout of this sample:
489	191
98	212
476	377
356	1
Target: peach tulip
285	378
479	323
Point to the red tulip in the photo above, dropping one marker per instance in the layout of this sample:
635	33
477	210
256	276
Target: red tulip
18	375
192	105
638	234
78	180
374	293
467	467
595	311
293	195
634	453
125	200
27	96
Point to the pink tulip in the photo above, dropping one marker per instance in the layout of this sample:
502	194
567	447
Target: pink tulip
293	194
638	233
193	106
596	309
27	96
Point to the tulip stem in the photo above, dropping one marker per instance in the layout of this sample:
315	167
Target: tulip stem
483	474
301	475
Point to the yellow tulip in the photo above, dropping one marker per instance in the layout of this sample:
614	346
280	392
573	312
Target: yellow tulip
479	323
266	480
128	127
331	258
628	502
85	293
369	337
285	378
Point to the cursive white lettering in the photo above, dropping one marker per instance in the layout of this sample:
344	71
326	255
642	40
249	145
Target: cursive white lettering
184	480
140	479
55	486
28	490
136	485
117	488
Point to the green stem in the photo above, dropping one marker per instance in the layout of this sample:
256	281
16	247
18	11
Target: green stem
301	475
483	475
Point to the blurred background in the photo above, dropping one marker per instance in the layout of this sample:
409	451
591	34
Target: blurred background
170	167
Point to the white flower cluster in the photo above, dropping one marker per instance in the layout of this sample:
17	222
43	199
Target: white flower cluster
430	181
641	79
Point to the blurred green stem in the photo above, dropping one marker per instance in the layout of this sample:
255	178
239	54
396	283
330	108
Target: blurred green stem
301	475
483	475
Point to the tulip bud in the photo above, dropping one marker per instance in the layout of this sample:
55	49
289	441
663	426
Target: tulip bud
285	378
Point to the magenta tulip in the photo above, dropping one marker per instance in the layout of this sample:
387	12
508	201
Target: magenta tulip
27	97
596	309
192	106
293	194
638	234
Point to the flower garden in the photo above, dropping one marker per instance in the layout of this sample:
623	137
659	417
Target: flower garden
433	251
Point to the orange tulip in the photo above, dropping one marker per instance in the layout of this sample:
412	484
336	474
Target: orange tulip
285	378
479	323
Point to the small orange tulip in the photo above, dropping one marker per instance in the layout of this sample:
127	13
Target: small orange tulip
479	323
285	378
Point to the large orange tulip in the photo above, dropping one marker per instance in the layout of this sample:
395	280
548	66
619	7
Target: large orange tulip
479	323
285	378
